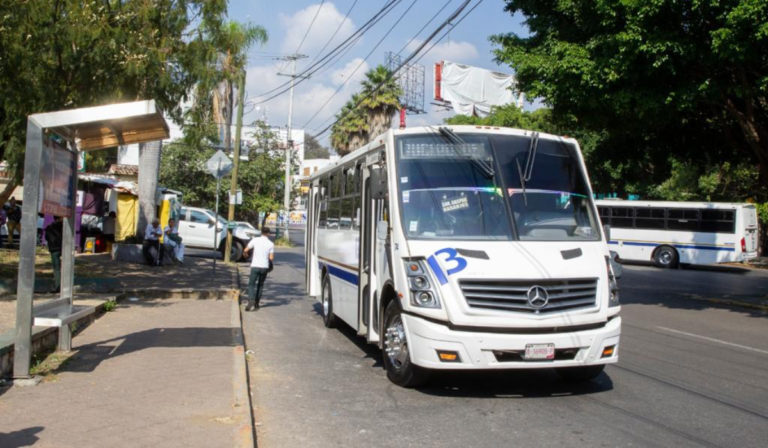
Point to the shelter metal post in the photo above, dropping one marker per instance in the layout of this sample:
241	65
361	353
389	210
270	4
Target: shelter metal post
68	262
28	241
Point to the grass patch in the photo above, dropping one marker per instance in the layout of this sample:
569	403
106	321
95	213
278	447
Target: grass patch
48	366
284	242
110	305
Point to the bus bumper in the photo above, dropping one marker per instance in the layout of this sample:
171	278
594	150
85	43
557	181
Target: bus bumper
478	350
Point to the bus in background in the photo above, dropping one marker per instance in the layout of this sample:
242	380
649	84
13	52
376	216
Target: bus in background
670	233
463	247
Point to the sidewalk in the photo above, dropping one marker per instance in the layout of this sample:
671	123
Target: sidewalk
154	372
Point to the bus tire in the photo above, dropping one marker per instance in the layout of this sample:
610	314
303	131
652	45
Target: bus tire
329	319
665	257
581	373
397	361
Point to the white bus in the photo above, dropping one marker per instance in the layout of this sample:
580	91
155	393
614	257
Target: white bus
465	247
668	233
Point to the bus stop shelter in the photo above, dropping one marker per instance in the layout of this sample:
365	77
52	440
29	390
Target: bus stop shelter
54	142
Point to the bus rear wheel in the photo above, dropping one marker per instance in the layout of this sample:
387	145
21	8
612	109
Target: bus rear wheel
665	257
329	319
397	361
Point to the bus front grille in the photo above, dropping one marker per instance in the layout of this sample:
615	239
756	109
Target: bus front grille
515	295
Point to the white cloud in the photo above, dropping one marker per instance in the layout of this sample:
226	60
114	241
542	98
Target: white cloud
329	19
350	73
454	51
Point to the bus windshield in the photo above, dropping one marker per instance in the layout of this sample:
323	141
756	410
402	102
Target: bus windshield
470	187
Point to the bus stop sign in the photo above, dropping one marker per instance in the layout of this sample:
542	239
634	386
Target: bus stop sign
219	165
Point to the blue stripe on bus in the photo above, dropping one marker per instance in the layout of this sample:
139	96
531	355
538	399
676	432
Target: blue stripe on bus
342	274
682	246
437	270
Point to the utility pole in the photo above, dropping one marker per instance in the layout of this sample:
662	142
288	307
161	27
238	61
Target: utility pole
289	148
236	163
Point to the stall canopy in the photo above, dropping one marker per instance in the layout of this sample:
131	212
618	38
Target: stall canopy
84	129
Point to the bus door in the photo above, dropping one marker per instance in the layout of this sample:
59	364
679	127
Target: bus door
311	275
372	251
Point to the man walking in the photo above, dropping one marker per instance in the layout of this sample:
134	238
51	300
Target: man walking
53	236
263	255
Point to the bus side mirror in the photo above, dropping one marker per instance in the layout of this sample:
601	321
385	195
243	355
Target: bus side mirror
378	183
607	232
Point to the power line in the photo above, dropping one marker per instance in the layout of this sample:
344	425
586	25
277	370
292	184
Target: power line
398	53
338	89
309	71
423	27
440	28
317	13
338	28
448	31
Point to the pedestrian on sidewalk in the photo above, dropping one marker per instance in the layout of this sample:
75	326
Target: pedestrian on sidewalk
14	219
263	256
53	235
152	240
173	241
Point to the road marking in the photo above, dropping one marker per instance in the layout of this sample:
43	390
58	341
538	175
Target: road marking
719	341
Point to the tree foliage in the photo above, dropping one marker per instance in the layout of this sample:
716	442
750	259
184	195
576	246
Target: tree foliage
313	149
60	54
654	79
182	168
368	113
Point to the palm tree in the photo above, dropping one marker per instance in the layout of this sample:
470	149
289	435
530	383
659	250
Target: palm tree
368	113
381	95
351	128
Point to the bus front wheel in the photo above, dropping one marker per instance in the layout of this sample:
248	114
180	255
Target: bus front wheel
665	257
397	361
329	319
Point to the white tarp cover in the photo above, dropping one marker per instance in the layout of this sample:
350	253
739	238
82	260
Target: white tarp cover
474	90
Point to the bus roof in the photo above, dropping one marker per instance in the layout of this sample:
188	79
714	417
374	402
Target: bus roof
460	129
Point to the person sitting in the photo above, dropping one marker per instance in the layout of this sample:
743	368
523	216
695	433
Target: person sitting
173	241
152	240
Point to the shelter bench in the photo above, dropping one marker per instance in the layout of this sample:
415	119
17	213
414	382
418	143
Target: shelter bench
60	313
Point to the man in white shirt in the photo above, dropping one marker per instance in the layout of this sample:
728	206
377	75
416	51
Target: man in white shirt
151	239
263	255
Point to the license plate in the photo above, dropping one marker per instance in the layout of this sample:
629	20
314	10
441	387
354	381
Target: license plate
539	351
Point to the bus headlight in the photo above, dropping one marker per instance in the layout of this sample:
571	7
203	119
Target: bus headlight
613	286
421	291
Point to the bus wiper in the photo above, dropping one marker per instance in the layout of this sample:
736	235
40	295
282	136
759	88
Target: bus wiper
525	176
482	165
522	181
531	156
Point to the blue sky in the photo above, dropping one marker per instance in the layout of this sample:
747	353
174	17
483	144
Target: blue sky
287	22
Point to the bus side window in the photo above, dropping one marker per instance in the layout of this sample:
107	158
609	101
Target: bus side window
334	205
322	198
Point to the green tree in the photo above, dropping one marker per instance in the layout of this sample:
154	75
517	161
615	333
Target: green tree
654	78
368	113
313	149
66	54
182	168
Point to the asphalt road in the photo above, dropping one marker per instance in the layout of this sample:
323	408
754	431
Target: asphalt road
691	373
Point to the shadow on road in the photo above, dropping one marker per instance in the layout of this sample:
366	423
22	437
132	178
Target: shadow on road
371	351
511	384
89	356
23	437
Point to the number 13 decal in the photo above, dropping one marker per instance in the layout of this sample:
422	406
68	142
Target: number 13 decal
453	262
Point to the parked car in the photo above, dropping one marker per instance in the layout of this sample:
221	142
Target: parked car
203	229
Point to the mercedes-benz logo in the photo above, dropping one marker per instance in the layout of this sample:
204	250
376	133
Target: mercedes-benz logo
537	297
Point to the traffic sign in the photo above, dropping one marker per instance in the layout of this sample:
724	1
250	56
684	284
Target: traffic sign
219	165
